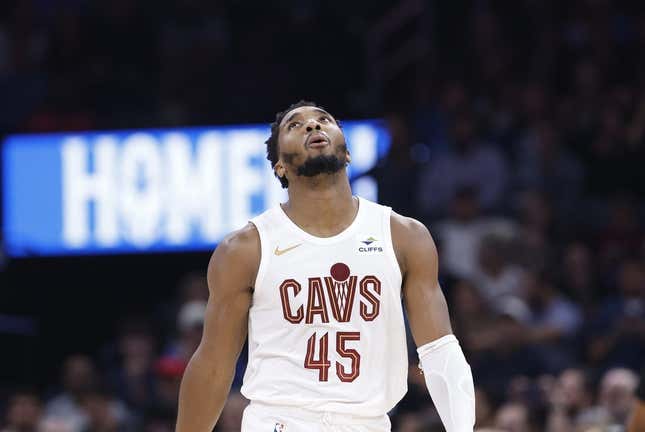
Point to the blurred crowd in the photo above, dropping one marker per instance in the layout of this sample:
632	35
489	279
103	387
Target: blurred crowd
96	64
130	384
525	158
519	141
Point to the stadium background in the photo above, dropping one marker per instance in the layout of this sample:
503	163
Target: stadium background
516	134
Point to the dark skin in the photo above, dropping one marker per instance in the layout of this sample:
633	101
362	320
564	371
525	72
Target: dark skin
637	420
323	206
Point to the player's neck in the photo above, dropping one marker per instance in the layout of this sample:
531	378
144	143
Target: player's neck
322	210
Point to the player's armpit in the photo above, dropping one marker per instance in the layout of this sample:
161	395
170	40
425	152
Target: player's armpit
424	301
208	377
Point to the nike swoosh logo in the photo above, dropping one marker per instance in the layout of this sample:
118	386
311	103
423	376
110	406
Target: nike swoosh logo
284	251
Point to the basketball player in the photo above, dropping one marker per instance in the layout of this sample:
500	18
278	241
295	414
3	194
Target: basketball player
317	284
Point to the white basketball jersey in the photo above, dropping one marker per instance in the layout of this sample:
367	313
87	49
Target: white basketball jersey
326	329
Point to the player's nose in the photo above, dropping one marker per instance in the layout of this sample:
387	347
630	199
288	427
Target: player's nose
312	124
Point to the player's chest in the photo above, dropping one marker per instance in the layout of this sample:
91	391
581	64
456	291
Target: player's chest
326	285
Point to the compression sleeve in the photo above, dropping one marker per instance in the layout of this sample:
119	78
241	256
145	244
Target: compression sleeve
450	383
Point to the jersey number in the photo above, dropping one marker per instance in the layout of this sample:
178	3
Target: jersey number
322	363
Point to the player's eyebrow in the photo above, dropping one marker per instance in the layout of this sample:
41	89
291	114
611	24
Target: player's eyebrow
296	114
291	117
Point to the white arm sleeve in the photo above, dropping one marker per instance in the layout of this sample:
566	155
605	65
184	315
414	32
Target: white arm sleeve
450	383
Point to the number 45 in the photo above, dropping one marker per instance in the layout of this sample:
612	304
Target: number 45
323	364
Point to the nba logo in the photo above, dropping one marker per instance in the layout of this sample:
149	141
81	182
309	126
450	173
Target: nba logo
279	427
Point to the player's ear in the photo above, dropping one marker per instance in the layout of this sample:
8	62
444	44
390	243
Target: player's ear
279	169
349	157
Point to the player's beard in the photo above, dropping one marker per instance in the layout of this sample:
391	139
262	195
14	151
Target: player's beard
322	164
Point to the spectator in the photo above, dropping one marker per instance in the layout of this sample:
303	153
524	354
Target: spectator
430	119
159	419
621	237
534	245
478	326
104	413
468	163
484	410
132	377
553	324
568	398
460	236
579	276
618	335
491	340
513	417
618	394
82	406
189	324
616	398
497	277
79	378
397	173
544	164
608	162
192	286
24	412
169	371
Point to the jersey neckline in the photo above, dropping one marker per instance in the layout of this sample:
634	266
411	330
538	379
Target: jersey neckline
325	240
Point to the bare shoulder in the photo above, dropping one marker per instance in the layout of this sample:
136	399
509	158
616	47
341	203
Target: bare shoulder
407	231
237	257
412	241
246	239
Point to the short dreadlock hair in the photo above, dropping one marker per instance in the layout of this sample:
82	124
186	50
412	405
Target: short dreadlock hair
272	142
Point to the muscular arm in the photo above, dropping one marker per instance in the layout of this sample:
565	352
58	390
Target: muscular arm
447	374
210	372
424	301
